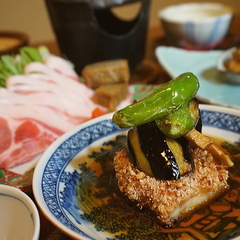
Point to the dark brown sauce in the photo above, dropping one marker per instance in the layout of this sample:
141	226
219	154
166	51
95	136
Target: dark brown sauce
145	214
141	213
219	142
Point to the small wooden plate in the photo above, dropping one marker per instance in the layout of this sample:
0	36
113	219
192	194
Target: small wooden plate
10	42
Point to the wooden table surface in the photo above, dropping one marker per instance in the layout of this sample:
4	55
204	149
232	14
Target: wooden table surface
155	37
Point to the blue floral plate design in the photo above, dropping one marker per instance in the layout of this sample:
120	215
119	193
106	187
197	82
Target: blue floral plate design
74	186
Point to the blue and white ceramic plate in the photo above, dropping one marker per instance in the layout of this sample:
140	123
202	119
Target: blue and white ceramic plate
213	87
75	188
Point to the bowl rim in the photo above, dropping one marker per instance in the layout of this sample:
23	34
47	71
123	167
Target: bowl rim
225	11
28	202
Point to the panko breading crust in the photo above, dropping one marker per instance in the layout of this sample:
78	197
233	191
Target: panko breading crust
165	196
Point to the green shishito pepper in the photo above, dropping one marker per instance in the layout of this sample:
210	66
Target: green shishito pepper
167	98
176	124
181	121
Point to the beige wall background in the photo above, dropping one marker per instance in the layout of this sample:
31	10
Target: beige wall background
32	17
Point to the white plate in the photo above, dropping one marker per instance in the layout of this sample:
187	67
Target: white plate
203	64
71	185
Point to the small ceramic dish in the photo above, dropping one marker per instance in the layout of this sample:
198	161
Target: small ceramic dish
196	25
11	42
75	188
19	218
228	75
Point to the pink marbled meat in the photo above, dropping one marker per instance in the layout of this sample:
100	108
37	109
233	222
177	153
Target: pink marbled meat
38	107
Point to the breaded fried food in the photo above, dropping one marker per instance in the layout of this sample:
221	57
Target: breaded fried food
172	199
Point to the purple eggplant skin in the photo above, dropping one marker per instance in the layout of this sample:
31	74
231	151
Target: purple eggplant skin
155	148
187	153
153	144
130	151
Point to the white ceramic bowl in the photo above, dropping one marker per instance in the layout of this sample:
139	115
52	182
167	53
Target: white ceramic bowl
196	25
19	218
227	75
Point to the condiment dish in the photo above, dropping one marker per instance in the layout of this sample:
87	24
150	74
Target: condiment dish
11	42
227	75
19	218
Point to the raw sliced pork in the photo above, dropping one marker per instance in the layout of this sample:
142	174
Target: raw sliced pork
38	107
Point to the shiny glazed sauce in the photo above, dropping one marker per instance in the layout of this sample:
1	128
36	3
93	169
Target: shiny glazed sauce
110	212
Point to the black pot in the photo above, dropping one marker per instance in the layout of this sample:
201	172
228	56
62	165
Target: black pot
87	31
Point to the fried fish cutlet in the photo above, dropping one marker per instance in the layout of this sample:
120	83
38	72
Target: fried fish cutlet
172	199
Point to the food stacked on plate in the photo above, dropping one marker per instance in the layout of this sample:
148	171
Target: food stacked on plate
168	165
42	97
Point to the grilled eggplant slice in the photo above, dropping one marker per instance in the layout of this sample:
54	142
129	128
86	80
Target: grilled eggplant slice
157	155
135	153
154	146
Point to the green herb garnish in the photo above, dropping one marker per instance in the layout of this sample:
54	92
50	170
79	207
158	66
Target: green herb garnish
11	65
